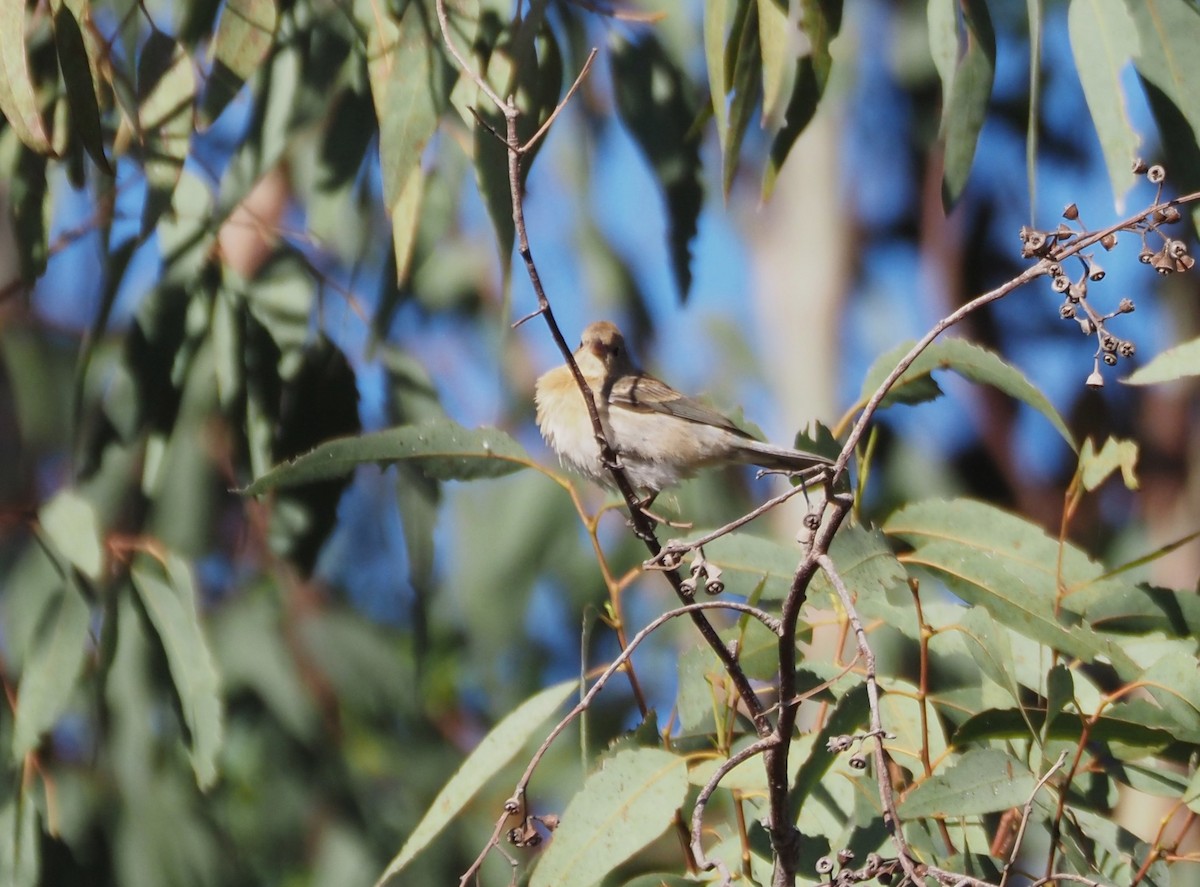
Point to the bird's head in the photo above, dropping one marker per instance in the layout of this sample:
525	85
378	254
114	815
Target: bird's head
602	344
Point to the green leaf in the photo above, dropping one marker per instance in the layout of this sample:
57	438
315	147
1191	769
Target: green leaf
1174	682
745	72
18	101
1102	42
863	559
819	23
70	522
777	40
1033	123
1191	796
166	91
1179	362
716	17
442	449
251	641
54	665
1095	467
244	35
968	360
964	104
850	713
410	84
655	104
81	90
981	781
20	851
1010	567
621	808
1136	726
1168	32
169	598
1141	610
493	752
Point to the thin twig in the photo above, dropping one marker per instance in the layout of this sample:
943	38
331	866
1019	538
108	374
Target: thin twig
882	773
1026	813
516	802
755	748
537	136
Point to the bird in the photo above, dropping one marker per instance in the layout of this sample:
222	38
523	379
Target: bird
658	435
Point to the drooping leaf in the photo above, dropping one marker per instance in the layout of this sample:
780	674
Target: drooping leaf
166	92
621	808
743	69
1133	726
965	102
53	667
243	39
76	69
493	752
1179	362
168	596
1034	10
819	23
70	522
1168	66
1102	42
442	449
981	781
968	360
18	101
410	84
655	104
850	713
20	850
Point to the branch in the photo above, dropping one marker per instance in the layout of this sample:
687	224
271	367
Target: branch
882	774
516	803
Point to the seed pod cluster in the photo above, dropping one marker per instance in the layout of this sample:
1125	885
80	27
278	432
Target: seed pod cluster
1165	254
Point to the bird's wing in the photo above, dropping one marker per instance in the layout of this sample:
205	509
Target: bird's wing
648	394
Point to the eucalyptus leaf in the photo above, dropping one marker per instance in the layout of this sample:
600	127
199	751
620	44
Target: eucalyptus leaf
621	808
441	449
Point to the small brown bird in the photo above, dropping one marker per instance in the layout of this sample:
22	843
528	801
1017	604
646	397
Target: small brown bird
659	435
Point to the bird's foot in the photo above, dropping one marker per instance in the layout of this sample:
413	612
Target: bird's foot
644	508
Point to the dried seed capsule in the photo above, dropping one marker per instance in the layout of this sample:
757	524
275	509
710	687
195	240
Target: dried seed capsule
1184	263
1066	310
1060	284
1054	269
1139	166
1071	213
1156	174
1095	272
1109	240
858	762
1170	215
1146	256
1125	306
824	865
845	855
1126	349
1110	359
1095	380
1163	263
1177	249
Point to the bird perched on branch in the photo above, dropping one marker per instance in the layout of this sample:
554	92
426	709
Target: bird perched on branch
659	436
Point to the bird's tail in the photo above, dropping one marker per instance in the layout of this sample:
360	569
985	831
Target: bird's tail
766	455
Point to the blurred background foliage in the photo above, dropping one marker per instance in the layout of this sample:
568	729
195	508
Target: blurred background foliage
197	282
